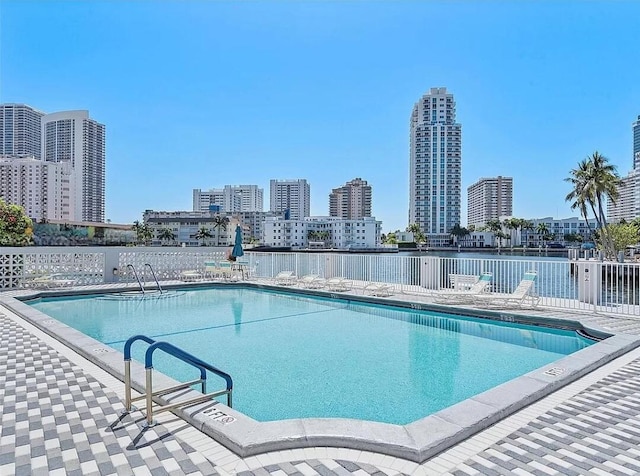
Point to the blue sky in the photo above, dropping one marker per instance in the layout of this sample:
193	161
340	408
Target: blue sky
201	94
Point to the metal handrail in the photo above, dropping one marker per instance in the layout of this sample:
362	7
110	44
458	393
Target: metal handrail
137	278
153	273
185	357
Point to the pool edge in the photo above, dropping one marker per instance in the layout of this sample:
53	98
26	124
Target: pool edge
417	441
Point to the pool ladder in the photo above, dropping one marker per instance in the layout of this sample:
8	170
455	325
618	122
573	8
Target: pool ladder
149	394
153	273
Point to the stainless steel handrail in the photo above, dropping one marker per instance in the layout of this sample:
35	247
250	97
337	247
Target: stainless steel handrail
153	273
150	394
137	278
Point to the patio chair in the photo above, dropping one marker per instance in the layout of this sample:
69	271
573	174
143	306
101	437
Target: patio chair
378	289
190	276
338	284
463	296
49	281
311	281
521	296
285	278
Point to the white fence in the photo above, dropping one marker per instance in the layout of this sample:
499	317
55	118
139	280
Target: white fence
588	285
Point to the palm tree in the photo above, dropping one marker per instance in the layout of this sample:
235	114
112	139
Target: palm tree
202	234
220	222
458	232
144	233
543	230
418	236
166	234
594	181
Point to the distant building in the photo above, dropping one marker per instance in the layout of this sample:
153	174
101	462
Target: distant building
435	166
489	199
558	228
291	197
231	198
20	131
36	186
185	225
72	138
627	205
351	201
332	231
636	142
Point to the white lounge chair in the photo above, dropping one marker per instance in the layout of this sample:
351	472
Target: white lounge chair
457	296
521	296
311	281
378	289
338	284
285	278
49	281
190	276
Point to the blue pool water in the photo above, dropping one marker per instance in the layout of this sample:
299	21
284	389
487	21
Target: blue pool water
294	357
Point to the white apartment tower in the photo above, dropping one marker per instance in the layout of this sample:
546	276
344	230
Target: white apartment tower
351	201
35	185
435	166
636	142
72	137
489	199
20	131
291	197
230	199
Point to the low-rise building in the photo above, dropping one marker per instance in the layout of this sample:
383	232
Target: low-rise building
333	232
185	227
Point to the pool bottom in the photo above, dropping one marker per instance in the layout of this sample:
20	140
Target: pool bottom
416	441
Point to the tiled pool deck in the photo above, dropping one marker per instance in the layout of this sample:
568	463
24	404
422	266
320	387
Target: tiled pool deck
61	414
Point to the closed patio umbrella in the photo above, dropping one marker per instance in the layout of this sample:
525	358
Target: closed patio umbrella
237	247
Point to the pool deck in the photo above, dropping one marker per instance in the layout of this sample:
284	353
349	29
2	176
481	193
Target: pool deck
61	414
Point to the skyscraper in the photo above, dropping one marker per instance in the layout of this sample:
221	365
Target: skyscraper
291	197
20	131
230	199
489	199
72	137
351	201
435	166
636	142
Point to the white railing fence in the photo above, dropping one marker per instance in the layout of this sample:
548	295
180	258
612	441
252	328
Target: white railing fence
588	285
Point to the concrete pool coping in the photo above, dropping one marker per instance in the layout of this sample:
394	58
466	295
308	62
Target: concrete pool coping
417	441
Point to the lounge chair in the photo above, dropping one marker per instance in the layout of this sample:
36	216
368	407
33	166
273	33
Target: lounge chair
190	276
378	289
338	284
50	281
521	296
222	270
285	278
457	296
311	281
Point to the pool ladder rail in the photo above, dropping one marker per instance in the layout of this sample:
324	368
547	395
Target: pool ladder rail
153	273
149	394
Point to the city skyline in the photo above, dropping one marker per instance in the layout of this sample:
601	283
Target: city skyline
322	91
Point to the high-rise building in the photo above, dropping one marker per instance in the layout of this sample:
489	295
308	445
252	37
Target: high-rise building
489	199
627	205
291	197
351	201
231	199
636	142
72	137
435	166
20	131
35	185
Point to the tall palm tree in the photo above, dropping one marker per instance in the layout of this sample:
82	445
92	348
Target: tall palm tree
594	181
220	222
202	234
458	232
542	229
144	233
166	234
418	236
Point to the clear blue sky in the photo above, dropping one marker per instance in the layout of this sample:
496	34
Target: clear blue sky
202	94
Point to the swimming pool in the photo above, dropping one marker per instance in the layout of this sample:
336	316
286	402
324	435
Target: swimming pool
294	356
